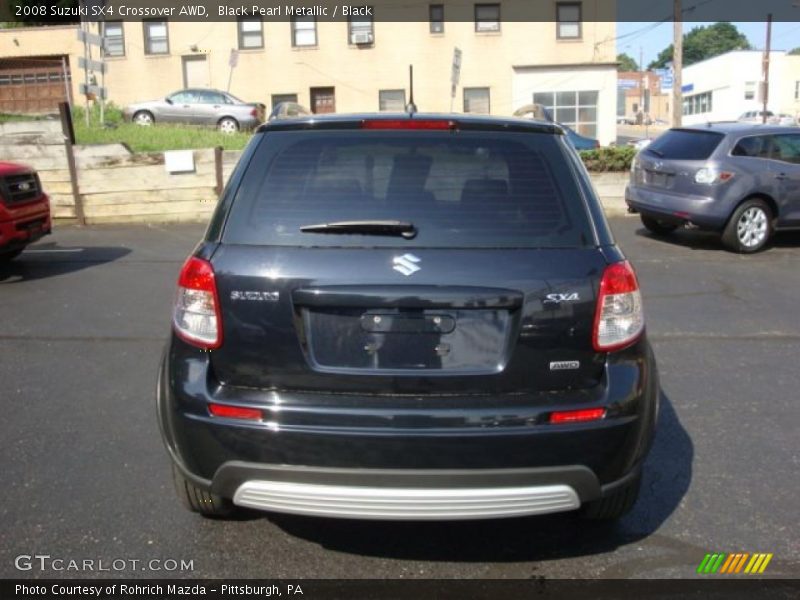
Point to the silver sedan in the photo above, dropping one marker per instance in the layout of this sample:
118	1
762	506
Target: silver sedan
198	107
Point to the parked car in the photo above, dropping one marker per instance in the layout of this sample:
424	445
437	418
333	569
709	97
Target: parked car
24	209
640	144
287	110
199	107
738	179
408	317
783	120
580	142
541	113
755	116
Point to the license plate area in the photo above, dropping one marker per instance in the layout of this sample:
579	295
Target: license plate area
658	179
402	341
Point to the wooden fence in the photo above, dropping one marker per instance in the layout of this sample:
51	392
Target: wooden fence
117	186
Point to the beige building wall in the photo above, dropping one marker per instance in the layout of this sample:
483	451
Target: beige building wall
357	73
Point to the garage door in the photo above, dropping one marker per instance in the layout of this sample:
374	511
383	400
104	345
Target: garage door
32	85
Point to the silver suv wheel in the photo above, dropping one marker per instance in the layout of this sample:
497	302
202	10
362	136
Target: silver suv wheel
751	228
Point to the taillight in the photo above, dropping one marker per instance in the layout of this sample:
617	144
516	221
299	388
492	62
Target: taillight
619	319
196	318
578	416
408	124
254	112
712	175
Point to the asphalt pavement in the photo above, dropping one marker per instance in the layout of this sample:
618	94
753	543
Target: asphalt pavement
84	315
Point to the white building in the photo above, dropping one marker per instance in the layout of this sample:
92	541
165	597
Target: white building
724	87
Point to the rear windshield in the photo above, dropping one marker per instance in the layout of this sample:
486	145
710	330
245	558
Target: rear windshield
462	189
685	144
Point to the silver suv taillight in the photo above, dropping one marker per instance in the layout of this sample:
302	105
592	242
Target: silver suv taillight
619	318
196	318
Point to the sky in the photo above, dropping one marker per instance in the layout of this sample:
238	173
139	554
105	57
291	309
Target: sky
654	37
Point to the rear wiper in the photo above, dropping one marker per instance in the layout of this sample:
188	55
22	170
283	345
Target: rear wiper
402	228
656	152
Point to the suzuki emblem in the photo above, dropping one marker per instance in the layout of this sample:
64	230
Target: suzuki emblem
406	264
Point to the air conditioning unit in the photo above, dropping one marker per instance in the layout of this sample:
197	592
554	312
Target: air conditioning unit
361	38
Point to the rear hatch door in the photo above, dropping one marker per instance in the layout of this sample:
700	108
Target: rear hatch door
493	292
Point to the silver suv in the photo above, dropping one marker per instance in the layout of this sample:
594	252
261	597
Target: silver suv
738	179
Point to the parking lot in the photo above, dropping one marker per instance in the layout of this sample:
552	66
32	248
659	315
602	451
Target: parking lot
85	313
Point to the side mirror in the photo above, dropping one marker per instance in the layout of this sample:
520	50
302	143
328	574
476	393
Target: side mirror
168	100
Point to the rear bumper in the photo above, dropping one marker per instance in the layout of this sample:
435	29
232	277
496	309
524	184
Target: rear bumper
24	225
704	211
370	502
491	458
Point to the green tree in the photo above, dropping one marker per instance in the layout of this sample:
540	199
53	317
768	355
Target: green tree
795	52
626	63
705	42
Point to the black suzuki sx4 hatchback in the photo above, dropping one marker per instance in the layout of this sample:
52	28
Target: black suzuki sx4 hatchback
408	317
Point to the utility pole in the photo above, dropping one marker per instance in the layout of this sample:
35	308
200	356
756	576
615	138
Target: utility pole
765	84
641	82
677	66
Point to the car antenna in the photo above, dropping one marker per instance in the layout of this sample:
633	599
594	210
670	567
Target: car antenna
411	108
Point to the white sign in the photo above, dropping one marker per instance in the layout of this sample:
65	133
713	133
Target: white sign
455	74
233	59
179	161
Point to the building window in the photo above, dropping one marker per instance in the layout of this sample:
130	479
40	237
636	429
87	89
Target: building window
156	37
251	34
487	17
577	110
392	100
436	13
304	31
476	100
568	15
360	30
114	34
281	98
698	104
750	90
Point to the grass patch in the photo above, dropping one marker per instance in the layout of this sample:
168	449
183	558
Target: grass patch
156	138
13	118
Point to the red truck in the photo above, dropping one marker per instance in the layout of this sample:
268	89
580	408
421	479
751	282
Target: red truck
24	209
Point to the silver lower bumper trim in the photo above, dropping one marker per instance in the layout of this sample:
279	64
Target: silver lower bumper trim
360	502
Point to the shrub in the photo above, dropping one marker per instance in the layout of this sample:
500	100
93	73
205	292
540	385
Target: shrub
113	114
612	158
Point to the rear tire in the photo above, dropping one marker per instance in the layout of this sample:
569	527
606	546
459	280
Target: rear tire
9	256
658	227
749	228
614	506
228	125
199	500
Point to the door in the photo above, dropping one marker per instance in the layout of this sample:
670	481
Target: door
465	306
323	100
32	86
177	108
195	72
209	108
786	165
